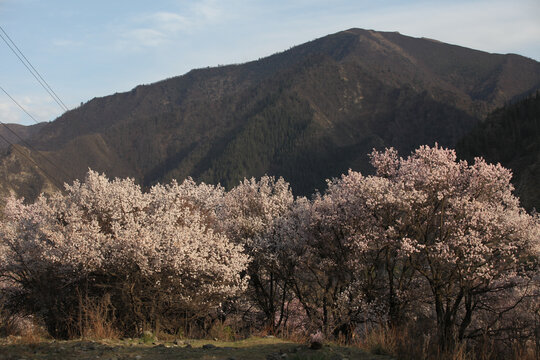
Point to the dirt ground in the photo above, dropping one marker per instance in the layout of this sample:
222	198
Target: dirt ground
250	349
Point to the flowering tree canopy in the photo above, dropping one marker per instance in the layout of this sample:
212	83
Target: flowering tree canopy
111	231
435	223
248	216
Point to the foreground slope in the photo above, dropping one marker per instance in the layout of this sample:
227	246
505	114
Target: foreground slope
307	114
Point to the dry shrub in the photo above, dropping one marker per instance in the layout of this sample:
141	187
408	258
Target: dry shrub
8	325
96	319
20	329
524	351
27	338
411	343
382	340
223	331
294	336
459	352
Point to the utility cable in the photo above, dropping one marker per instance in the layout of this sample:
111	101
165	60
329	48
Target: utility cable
16	103
30	67
24	141
53	180
34	150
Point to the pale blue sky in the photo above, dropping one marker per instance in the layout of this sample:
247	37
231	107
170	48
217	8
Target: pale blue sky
93	48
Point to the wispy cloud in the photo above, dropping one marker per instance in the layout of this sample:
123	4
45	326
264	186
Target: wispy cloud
169	22
66	42
144	37
7	113
157	28
208	10
41	108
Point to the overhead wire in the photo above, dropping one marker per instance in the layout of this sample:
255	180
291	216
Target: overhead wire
45	85
15	49
28	145
19	105
34	150
55	182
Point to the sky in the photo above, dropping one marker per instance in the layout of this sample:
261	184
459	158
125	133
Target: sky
87	49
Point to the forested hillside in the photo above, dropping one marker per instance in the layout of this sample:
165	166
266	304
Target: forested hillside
511	136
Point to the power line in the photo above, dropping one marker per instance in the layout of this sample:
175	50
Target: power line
24	141
16	103
41	81
53	180
34	150
32	70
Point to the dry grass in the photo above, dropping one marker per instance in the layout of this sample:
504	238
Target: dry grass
96	319
407	344
20	329
96	322
382	340
526	351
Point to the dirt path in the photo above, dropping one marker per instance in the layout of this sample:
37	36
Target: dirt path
251	349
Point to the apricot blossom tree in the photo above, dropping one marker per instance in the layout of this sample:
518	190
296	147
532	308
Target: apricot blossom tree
355	243
425	224
463	229
248	215
154	252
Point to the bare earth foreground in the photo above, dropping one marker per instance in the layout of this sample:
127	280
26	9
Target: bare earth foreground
250	349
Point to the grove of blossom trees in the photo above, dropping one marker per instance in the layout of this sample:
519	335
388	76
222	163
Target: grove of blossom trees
428	240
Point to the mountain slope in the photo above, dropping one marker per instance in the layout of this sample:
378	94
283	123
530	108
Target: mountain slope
511	136
15	133
307	114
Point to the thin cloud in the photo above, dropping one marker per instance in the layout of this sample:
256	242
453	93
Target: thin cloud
8	113
207	10
157	28
66	43
146	37
170	22
41	108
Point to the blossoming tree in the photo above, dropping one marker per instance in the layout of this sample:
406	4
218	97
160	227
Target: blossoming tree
248	215
463	229
154	252
426	224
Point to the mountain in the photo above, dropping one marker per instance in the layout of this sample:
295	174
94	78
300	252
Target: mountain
307	114
511	136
